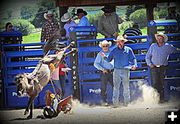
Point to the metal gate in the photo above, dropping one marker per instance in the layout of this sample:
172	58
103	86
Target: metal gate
89	79
26	61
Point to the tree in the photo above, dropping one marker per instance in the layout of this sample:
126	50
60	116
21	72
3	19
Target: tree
9	13
44	6
28	12
125	25
23	25
48	4
131	9
39	20
93	18
139	16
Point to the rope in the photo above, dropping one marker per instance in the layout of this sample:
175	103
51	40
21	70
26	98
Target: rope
53	87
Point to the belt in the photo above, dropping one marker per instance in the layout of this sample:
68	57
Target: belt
108	70
158	66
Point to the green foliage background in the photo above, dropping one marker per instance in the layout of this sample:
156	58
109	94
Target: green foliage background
31	17
21	25
139	16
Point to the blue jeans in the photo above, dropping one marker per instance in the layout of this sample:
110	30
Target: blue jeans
62	79
57	85
121	76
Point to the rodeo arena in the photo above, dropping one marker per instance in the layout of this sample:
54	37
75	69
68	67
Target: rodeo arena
29	96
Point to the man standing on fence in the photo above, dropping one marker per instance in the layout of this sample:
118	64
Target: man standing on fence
157	59
81	14
124	60
108	23
105	68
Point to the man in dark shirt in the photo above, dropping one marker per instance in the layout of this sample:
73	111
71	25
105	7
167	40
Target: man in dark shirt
50	29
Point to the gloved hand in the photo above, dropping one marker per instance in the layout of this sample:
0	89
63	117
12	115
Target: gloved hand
116	34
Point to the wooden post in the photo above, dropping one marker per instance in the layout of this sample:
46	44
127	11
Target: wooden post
150	16
62	10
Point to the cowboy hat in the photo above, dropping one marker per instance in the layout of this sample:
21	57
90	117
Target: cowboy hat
162	35
120	38
49	13
105	42
107	9
66	17
172	5
81	11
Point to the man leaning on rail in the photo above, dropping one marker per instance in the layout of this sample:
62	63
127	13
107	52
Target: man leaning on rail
157	59
106	69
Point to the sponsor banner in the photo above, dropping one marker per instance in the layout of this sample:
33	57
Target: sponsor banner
91	93
12	100
172	89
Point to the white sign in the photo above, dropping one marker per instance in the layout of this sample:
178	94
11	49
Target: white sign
174	88
96	91
15	94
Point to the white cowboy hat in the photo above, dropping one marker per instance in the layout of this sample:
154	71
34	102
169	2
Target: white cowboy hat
66	17
163	35
120	38
48	13
105	42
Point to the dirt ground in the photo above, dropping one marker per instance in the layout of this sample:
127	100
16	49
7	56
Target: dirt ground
83	114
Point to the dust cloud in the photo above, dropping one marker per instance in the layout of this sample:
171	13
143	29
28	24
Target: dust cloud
149	98
149	95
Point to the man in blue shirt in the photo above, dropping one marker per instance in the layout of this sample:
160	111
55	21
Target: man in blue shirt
124	60
67	18
157	59
105	68
81	14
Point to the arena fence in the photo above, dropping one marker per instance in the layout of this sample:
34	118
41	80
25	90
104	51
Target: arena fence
89	79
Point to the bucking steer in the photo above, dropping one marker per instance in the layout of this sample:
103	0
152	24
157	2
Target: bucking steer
33	83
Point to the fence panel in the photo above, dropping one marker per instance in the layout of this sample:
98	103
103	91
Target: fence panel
89	77
25	62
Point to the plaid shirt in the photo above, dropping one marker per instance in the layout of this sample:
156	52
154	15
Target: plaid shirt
48	29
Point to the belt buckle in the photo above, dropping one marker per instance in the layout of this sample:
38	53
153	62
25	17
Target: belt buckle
158	66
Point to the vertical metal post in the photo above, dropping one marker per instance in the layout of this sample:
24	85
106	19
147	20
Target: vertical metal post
74	66
149	41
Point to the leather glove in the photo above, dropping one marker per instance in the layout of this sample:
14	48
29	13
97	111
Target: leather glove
116	34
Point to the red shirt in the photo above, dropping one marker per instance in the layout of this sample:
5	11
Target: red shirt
60	71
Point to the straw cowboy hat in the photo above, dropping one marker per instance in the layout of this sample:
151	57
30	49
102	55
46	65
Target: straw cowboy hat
105	42
120	38
49	13
162	35
66	17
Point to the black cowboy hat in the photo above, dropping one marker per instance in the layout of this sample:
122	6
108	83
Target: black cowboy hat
81	11
108	9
